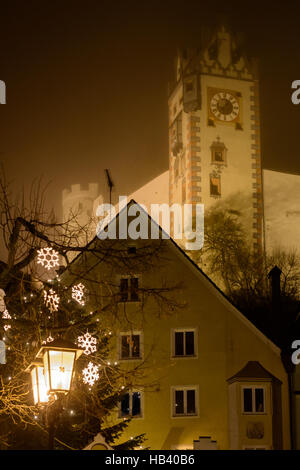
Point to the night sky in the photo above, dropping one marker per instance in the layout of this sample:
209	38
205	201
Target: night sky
87	85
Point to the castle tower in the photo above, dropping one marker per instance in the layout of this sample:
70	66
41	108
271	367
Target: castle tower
79	201
214	131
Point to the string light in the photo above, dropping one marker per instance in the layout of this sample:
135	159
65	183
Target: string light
90	374
78	293
48	340
51	299
88	343
6	315
48	257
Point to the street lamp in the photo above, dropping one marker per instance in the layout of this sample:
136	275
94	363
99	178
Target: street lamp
40	392
52	373
59	360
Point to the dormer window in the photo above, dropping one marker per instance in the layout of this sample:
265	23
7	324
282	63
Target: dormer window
253	399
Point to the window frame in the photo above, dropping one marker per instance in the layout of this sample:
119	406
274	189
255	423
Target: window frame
184	330
130	333
217	147
218	177
184	388
128	277
131	392
253	387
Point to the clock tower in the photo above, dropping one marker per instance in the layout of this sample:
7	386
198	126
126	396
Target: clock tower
214	131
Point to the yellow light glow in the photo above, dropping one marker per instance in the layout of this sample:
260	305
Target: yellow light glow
58	367
40	392
34	386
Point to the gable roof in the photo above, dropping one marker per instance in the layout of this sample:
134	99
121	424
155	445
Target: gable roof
199	272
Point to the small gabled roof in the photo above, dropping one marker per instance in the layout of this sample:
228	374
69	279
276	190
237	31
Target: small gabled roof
252	371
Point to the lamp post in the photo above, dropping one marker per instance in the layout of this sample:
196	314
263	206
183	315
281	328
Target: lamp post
52	373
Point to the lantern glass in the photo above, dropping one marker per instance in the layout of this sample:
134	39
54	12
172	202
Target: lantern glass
40	391
35	385
58	366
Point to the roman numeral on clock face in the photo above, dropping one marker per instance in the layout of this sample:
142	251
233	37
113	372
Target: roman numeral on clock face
224	106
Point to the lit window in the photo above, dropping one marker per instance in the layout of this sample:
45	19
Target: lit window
130	345
185	401
131	405
253	400
183	343
215	185
129	289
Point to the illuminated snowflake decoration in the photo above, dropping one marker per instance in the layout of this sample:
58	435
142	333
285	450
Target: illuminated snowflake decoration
51	299
6	327
78	293
90	374
6	315
88	343
48	340
48	257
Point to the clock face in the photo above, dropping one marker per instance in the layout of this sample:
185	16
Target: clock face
224	106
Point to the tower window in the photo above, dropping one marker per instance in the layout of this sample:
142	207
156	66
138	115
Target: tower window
218	152
176	135
218	156
189	86
215	185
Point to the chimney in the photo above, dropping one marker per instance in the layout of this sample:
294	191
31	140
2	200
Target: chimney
274	275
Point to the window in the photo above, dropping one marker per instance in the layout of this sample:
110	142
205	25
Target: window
218	156
215	185
131	405
176	135
253	399
129	289
218	152
184	401
183	343
130	345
